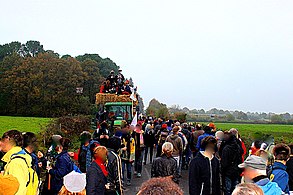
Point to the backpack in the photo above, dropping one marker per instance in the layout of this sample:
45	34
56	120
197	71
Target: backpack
82	156
163	137
33	181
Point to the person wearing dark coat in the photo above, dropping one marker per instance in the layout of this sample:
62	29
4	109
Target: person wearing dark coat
165	165
149	141
289	170
231	157
204	170
114	166
62	167
96	176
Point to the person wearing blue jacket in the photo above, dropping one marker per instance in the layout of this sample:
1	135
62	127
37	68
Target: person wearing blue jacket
62	167
207	132
279	175
255	171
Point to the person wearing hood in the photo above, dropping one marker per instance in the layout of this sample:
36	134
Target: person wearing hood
96	176
279	175
16	158
207	132
231	157
204	170
177	143
255	172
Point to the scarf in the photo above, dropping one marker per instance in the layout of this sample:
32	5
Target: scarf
102	166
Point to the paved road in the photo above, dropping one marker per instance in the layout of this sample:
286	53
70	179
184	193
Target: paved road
146	174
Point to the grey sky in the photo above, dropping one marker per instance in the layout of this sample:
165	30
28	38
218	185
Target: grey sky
200	54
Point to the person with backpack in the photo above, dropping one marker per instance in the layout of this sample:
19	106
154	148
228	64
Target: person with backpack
231	157
114	167
63	166
127	152
279	174
102	134
29	146
16	159
161	137
177	145
84	154
149	140
138	135
255	172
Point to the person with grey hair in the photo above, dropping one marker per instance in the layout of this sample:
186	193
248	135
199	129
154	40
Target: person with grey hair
255	172
165	165
247	189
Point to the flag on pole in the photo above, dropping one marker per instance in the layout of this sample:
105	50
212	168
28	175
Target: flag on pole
134	120
133	96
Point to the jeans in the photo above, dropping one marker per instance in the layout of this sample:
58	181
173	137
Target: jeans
138	160
230	185
128	166
146	151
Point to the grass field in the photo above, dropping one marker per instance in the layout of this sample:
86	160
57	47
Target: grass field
281	133
22	124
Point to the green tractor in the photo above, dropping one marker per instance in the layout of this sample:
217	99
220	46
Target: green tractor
119	111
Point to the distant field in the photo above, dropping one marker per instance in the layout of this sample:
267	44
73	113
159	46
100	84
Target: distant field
281	133
23	124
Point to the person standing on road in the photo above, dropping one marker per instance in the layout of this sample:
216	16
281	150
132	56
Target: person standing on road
139	149
161	136
127	152
230	159
96	176
149	139
165	165
177	144
204	170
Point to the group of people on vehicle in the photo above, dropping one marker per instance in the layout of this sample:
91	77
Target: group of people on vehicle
116	84
107	161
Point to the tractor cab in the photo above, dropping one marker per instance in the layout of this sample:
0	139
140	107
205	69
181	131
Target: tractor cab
118	111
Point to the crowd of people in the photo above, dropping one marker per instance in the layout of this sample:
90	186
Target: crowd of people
116	84
107	161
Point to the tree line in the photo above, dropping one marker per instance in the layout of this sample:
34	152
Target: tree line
39	82
159	109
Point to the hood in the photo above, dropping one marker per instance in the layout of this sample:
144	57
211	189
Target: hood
173	137
270	188
6	158
278	165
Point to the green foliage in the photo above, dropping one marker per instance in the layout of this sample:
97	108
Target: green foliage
104	65
37	82
157	109
181	116
230	117
277	119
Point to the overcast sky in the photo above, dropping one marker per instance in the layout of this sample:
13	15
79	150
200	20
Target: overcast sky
201	54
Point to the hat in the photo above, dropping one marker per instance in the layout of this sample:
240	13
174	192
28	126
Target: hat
212	125
164	126
75	182
254	162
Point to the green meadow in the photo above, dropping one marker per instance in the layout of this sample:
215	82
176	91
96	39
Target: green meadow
23	124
